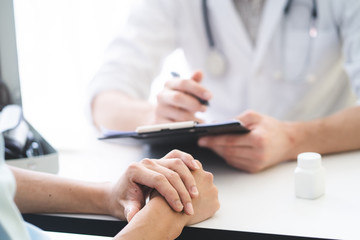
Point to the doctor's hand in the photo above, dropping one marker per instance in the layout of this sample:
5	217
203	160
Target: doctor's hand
179	100
171	176
268	143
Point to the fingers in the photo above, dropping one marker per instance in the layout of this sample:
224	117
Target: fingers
180	99
176	165
154	177
226	140
172	178
172	114
249	118
181	180
190	86
189	161
244	152
197	76
130	211
207	203
247	159
239	151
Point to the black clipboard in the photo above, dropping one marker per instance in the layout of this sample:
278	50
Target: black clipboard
173	134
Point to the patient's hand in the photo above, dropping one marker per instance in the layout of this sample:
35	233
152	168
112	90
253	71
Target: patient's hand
170	176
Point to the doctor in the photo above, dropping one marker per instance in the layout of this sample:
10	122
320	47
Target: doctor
288	69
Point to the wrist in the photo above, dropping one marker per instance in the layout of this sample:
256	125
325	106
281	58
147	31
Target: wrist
154	221
173	222
101	198
298	134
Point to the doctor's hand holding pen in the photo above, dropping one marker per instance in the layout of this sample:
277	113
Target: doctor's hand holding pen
181	98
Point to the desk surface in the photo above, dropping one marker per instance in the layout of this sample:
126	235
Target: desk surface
262	202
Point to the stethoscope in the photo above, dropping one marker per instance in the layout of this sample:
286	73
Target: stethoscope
300	74
216	61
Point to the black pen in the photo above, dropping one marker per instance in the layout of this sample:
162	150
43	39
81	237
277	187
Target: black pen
202	101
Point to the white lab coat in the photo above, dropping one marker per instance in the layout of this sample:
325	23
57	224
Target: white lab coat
275	78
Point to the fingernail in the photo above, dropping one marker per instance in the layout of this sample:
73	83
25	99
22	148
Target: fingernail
179	205
206	95
203	108
194	190
189	209
195	164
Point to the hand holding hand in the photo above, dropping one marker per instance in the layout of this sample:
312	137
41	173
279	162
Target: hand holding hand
158	221
170	176
205	205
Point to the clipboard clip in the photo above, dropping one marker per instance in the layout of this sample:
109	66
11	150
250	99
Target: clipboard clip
165	126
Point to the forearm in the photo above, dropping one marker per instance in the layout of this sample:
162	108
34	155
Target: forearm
41	192
336	133
115	110
155	221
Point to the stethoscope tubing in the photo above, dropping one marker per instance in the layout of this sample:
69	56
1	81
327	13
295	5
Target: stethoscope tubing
208	30
287	8
312	34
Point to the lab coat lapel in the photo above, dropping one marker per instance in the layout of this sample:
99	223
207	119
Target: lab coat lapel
225	13
273	12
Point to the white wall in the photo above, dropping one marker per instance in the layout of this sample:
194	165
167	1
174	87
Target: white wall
60	47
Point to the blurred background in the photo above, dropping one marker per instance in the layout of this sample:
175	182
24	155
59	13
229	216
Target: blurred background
60	47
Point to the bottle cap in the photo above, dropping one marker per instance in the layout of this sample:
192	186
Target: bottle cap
309	160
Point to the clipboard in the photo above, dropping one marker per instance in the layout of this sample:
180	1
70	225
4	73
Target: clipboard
174	134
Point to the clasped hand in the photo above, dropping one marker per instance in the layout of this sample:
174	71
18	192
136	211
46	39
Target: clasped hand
177	177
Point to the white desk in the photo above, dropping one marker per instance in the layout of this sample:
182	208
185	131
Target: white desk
265	202
262	203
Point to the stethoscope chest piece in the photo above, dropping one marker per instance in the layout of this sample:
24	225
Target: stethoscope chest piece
216	63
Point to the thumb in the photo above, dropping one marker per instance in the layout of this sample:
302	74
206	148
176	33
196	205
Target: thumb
197	76
249	118
131	210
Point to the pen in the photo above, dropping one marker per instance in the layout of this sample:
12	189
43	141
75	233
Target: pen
202	101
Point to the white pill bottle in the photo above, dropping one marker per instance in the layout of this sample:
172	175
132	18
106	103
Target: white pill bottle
309	176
